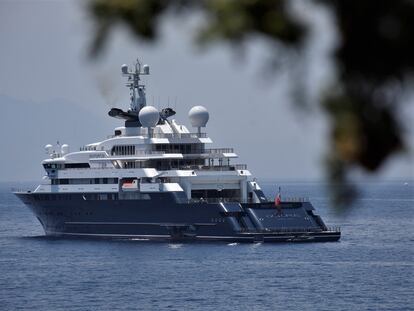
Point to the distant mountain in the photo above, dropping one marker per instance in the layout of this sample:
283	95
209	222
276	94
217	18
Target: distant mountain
26	127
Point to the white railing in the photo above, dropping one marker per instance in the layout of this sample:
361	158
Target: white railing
167	135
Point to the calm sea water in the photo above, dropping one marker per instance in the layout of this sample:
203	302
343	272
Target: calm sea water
371	268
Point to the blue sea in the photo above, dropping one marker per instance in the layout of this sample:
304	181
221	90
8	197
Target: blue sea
371	268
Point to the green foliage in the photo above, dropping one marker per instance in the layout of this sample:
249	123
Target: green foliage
228	20
377	48
237	20
140	16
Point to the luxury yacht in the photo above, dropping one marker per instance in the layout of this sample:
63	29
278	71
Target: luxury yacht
155	179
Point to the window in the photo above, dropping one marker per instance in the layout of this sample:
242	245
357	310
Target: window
123	150
83	181
53	166
77	165
102	197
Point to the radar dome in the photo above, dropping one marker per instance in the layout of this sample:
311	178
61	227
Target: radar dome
146	69
149	116
64	149
48	148
124	69
198	116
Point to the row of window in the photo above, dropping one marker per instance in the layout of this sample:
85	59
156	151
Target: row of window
179	148
161	164
167	148
123	150
100	196
84	181
173	164
215	194
66	165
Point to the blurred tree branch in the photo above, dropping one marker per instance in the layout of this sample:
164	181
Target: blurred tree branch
376	49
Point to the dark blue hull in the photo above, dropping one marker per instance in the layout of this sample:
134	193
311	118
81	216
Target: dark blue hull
163	217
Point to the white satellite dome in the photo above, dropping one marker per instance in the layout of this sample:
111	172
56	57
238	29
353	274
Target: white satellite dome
146	69
198	116
149	116
64	149
48	148
124	69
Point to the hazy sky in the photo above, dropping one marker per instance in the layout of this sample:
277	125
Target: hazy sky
50	90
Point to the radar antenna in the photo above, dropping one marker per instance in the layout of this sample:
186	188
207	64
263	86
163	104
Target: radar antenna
138	97
137	90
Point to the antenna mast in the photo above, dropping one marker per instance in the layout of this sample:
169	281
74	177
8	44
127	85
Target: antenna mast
137	90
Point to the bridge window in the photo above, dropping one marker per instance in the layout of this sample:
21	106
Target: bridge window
77	165
123	150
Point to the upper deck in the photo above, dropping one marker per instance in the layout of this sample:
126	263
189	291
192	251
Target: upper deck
150	149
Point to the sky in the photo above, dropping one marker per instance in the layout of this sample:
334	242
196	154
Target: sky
51	90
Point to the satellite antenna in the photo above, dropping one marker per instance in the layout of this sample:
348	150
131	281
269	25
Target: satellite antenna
149	117
133	117
137	90
137	93
198	117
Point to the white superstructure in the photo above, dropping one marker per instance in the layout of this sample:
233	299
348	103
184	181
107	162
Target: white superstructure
151	153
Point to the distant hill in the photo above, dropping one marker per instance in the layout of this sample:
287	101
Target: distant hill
26	127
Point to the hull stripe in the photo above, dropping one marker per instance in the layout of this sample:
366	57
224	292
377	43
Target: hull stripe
136	223
202	237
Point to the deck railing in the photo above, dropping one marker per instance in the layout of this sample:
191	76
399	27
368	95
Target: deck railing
216	200
139	152
178	135
218	150
167	135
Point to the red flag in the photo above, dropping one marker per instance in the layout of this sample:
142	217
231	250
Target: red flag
278	200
